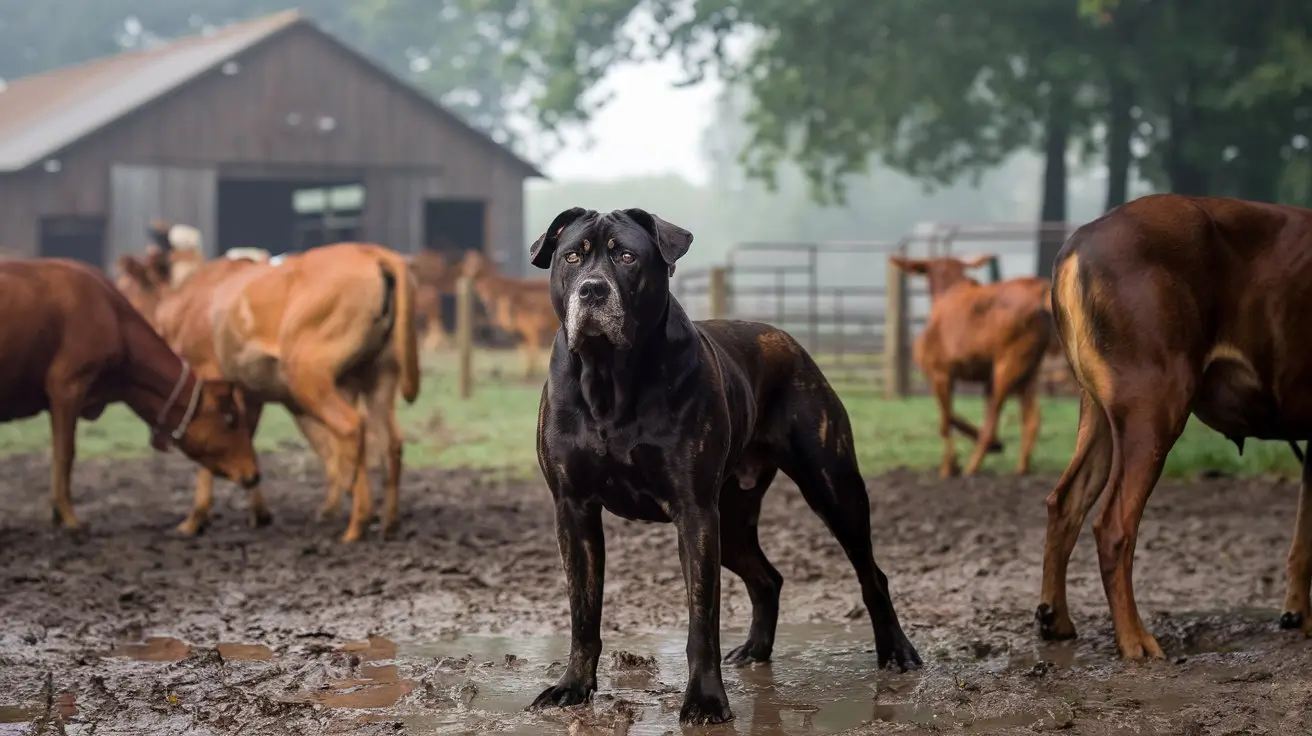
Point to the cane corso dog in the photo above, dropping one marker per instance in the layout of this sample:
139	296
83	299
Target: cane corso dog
658	418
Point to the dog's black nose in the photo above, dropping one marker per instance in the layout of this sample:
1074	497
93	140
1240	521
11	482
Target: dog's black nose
594	291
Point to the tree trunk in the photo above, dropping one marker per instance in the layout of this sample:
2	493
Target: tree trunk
1120	129
1057	133
1184	174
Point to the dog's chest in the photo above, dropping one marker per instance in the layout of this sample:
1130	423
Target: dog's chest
632	497
628	475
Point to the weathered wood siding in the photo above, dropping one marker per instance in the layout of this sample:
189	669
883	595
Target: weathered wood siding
267	116
142	193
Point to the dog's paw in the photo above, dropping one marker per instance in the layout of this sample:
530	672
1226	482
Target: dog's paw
747	654
899	652
563	695
702	708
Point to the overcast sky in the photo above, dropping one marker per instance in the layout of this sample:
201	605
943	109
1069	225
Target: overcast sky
648	127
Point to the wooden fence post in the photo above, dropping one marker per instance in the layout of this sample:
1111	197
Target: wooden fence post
896	361
465	334
717	292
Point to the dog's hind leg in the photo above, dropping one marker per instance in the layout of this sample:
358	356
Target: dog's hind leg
821	459
741	554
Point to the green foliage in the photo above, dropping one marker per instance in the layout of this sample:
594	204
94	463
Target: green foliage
495	430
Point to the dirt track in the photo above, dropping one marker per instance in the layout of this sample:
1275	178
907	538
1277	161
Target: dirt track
478	557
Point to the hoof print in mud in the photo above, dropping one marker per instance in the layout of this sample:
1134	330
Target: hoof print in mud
562	696
1291	620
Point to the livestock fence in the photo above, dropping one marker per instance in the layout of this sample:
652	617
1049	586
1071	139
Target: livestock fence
842	300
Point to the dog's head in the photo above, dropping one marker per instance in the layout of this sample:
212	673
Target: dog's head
610	273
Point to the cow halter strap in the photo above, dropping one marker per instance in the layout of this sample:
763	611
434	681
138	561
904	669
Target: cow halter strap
181	430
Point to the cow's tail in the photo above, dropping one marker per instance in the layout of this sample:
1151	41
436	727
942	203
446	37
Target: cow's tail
406	342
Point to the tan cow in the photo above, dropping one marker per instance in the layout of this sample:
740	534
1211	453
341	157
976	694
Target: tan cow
519	306
326	333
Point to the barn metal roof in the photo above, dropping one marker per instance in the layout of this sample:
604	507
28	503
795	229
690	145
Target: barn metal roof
44	113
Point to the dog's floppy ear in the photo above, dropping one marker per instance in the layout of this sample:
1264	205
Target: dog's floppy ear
539	254
672	240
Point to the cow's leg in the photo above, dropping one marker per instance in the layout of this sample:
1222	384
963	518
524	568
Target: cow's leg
64	407
942	386
1007	375
1298	566
201	501
532	345
384	436
1029	422
318	395
321	441
1068	505
1142	434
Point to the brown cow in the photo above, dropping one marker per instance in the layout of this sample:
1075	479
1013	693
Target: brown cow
434	278
1169	305
319	332
520	307
993	333
73	345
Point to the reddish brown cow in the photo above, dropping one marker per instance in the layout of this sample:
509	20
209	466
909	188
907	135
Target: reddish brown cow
519	306
1165	306
993	333
73	345
434	278
328	333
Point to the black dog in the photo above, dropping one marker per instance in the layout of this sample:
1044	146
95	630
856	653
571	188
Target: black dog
657	418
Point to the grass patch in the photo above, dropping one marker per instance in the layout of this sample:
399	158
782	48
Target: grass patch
495	430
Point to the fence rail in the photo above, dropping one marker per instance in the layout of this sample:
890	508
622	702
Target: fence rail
842	300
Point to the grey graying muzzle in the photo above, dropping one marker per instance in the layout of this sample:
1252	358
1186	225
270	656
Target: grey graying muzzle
594	310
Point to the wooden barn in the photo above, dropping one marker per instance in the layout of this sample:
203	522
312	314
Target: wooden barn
269	133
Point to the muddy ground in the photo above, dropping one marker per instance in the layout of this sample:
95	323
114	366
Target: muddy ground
130	629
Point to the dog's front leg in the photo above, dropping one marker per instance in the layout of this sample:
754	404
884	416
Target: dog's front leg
704	701
583	550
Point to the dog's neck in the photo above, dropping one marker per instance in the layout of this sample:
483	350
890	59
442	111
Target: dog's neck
611	380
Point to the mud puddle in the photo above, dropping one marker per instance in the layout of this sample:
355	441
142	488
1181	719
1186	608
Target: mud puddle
822	681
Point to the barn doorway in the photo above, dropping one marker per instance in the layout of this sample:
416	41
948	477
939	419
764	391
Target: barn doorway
452	227
79	237
288	215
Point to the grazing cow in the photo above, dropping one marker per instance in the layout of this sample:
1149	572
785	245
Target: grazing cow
993	333
1170	305
518	306
320	332
73	345
434	278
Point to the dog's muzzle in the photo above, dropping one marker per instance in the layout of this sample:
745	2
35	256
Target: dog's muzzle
594	310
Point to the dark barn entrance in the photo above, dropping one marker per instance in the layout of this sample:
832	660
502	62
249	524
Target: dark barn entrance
452	227
285	215
80	237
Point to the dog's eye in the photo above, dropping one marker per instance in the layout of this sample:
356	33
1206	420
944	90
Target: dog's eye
572	257
628	257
